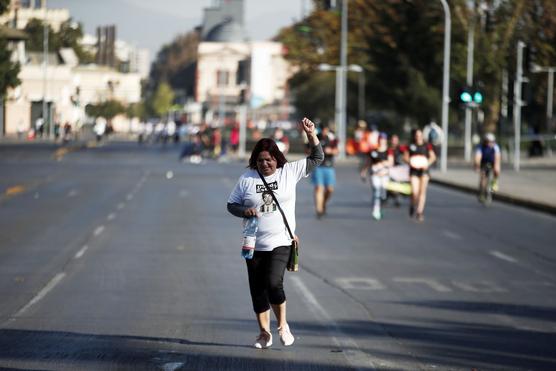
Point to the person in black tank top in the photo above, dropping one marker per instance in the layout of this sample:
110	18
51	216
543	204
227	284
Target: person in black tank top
420	156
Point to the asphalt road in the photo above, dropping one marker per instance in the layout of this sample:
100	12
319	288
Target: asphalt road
123	258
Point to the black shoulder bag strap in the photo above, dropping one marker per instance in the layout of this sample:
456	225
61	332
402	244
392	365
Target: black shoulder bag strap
277	204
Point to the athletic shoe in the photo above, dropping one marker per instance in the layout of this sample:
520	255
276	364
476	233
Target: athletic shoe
264	340
286	336
494	185
377	215
411	211
420	217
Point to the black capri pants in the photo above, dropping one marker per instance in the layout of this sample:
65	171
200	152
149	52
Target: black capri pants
266	277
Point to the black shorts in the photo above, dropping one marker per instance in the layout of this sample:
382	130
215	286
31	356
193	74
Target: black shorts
418	172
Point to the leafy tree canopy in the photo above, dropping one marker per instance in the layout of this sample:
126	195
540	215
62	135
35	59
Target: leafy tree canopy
399	43
8	69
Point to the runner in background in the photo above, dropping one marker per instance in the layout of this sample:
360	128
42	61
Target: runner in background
281	140
324	176
378	165
420	156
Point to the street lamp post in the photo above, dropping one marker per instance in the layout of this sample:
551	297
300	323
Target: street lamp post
445	85
342	122
341	72
468	109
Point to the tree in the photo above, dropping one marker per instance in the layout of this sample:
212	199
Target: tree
8	69
137	110
107	109
69	36
175	64
162	100
399	43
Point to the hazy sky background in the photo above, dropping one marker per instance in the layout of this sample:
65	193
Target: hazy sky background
150	24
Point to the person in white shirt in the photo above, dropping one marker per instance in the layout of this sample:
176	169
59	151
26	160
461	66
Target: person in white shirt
250	198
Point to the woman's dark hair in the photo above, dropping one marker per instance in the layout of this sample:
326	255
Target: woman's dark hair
269	145
413	132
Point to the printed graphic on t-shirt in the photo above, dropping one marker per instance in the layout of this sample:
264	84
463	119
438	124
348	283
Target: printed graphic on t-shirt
268	205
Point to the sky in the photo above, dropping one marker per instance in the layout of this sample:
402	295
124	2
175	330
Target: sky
151	24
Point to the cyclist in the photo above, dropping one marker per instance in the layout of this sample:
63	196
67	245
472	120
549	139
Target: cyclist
487	161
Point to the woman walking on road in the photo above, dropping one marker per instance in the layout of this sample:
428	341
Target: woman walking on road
266	268
420	156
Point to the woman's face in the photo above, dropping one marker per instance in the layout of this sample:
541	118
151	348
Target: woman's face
266	163
418	137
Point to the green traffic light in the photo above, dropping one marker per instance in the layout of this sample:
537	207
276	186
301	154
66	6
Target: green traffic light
465	97
478	97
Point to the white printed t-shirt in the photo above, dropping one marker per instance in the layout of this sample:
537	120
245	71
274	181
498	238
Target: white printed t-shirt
251	192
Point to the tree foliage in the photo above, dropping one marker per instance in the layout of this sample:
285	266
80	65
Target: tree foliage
8	69
107	109
399	43
175	64
69	36
4	5
162	100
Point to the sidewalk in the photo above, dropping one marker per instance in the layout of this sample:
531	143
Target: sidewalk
534	186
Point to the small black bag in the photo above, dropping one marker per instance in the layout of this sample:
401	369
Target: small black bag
293	259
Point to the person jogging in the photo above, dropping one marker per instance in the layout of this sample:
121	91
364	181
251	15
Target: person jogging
324	176
420	156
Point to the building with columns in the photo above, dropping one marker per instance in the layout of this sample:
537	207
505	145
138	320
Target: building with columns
232	70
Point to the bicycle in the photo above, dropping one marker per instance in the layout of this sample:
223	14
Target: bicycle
487	184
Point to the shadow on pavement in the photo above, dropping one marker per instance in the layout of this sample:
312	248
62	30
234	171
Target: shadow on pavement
69	350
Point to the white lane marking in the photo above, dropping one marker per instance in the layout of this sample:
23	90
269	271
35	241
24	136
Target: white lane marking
129	197
99	230
359	283
53	282
502	256
111	216
479	287
184	193
356	357
452	235
121	205
81	252
73	193
172	366
431	283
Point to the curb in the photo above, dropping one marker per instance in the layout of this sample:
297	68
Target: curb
502	197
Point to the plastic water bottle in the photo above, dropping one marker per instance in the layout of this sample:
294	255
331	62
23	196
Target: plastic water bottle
250	226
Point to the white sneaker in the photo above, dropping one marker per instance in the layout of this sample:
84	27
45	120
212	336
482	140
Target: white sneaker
264	340
286	336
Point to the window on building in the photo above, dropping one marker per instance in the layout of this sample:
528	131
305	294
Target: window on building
222	78
25	3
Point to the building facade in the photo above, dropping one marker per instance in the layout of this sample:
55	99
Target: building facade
22	11
233	71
